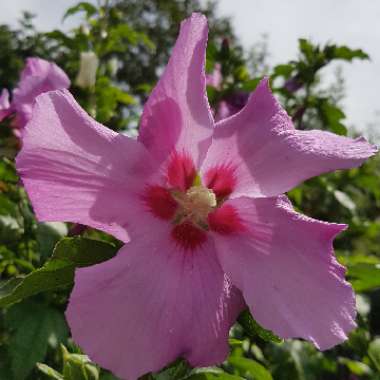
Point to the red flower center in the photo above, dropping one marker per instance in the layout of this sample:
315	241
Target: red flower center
192	208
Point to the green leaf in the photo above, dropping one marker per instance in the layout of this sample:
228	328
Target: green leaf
78	367
61	37
7	171
83	252
59	271
333	113
124	97
33	325
121	34
250	369
177	370
307	49
253	329
251	84
363	304
374	353
364	276
211	55
7	207
332	116
11	221
48	234
107	376
356	367
216	375
10	229
339	129
345	200
108	97
5	365
283	70
213	376
54	274
344	52
50	372
83	6
296	195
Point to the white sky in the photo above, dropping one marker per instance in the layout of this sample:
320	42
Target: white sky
352	22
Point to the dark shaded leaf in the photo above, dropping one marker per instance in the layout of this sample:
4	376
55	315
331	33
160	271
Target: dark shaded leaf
177	370
374	353
253	329
307	49
48	234
7	171
33	325
250	369
345	53
213	376
78	367
83	6
364	276
50	372
59	270
332	116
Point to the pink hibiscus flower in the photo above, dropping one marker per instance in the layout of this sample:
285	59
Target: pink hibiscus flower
215	78
202	212
232	103
37	77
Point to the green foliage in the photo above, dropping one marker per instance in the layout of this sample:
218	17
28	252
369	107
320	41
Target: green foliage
344	53
133	40
49	372
75	367
332	116
364	276
254	330
70	253
83	6
177	370
78	367
213	376
108	97
249	369
33	326
374	353
7	171
356	367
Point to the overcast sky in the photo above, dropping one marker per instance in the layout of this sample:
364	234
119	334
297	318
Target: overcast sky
351	22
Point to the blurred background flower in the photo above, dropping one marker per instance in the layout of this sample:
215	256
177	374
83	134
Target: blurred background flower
323	60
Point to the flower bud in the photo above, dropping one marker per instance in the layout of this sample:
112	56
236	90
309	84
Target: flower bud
78	367
89	63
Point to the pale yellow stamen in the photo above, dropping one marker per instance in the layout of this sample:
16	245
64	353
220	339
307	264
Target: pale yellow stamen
195	205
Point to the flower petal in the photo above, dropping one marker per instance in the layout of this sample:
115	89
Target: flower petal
76	170
177	114
286	269
37	77
152	303
270	156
